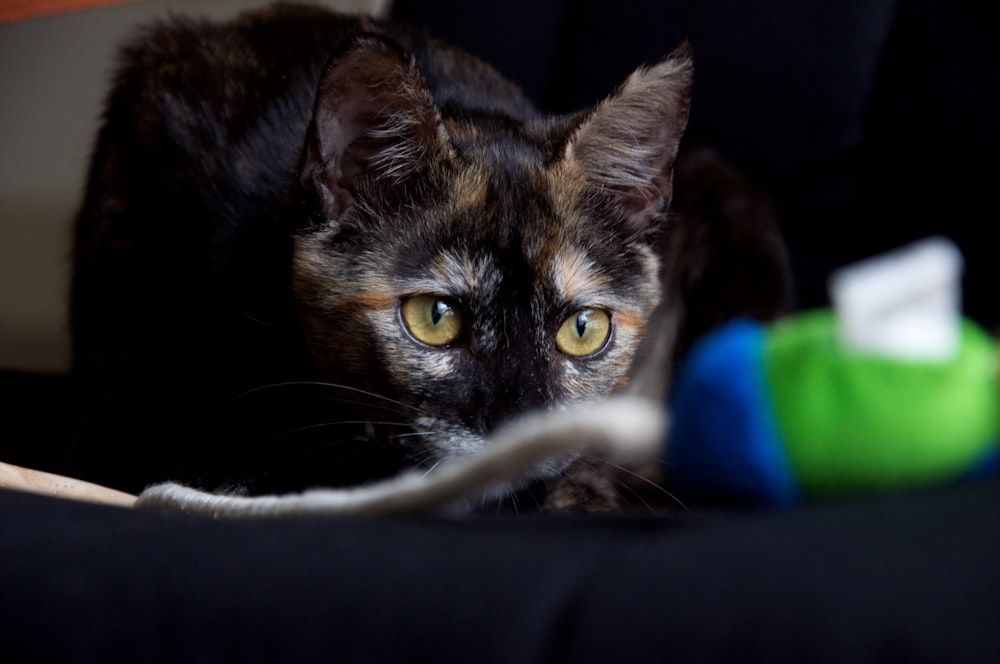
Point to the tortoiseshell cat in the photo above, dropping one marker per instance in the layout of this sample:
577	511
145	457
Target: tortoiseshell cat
316	248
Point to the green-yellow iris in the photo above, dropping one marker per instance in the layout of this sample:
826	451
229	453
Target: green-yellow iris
431	319
584	333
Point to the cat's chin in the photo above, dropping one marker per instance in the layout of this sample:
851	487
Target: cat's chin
451	443
542	475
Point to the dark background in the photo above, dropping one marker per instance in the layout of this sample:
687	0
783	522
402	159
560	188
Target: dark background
870	122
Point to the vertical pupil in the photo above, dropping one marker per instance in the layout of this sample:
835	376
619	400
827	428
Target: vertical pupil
581	324
438	311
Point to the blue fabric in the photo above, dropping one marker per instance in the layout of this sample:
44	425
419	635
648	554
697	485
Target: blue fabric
724	439
986	467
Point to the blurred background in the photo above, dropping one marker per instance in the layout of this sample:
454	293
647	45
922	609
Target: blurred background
56	61
870	122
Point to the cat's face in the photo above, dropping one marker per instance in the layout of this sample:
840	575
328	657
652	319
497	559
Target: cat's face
472	267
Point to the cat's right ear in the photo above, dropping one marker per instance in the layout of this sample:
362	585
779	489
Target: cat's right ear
374	124
626	145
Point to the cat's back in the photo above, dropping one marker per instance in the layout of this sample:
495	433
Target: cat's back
196	85
208	118
203	84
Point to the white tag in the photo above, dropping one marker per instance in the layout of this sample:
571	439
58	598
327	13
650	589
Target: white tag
904	304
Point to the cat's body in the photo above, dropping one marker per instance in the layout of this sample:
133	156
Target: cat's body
300	196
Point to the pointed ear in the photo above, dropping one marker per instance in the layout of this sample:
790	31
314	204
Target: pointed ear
627	144
374	123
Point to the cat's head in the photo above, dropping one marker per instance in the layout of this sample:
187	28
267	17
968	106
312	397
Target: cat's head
472	265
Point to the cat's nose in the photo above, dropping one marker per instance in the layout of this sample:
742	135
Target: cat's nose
508	400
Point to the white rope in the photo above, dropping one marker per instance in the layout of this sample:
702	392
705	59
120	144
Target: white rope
627	431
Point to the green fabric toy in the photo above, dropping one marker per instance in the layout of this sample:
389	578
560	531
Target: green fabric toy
789	412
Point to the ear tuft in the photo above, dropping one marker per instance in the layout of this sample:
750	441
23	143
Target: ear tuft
627	144
374	123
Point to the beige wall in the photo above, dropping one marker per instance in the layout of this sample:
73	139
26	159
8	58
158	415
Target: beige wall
53	76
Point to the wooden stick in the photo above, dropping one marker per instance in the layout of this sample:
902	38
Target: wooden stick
49	484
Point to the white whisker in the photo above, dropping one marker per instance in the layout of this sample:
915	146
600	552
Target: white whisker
414	434
431	469
641	477
322	384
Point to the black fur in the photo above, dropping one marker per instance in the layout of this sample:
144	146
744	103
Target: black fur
264	193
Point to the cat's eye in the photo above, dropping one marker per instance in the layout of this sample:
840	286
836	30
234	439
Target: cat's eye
431	319
584	333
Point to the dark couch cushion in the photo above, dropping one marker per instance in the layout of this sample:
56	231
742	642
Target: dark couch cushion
889	579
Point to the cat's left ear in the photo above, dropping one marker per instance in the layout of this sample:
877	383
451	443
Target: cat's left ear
375	126
626	146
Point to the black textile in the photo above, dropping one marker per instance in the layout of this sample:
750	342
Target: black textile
902	578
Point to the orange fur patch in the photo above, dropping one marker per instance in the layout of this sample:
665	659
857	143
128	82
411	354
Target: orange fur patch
470	191
374	300
630	319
